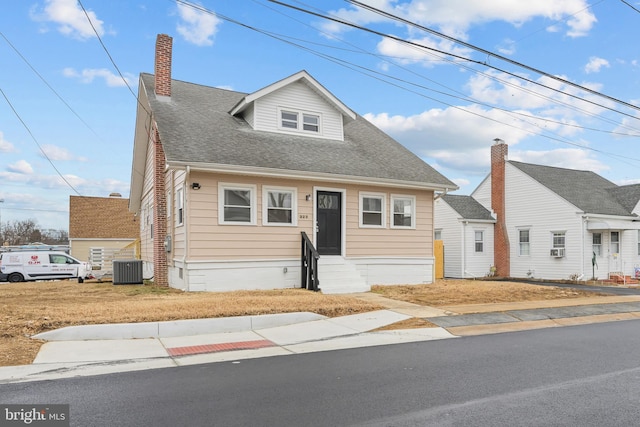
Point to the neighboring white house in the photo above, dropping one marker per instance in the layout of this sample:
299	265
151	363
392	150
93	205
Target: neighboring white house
551	223
466	230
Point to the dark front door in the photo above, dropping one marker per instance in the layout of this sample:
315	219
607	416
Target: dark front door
328	230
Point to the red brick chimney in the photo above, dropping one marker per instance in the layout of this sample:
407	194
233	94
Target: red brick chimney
501	252
163	65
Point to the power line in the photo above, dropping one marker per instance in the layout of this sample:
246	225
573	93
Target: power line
492	54
38	144
462	58
462	96
50	87
373	74
630	5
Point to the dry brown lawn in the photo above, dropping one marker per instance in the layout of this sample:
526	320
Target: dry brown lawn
456	292
30	308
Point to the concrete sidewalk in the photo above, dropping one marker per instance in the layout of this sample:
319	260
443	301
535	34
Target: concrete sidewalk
101	349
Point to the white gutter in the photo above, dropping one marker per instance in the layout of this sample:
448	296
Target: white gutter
464	248
306	175
185	185
444	193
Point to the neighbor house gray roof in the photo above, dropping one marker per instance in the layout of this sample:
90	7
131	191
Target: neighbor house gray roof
586	190
468	207
196	128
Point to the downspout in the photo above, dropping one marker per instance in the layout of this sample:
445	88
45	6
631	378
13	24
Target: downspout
444	193
584	230
186	228
464	248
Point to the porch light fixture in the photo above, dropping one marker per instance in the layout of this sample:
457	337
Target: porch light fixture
307	197
195	186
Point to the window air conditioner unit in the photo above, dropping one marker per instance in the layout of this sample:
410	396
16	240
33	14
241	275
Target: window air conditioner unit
557	252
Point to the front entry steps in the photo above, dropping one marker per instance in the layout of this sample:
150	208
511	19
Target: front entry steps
339	276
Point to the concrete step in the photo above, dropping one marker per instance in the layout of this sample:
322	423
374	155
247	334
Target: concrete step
339	276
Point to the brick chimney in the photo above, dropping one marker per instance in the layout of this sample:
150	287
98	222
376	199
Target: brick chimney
163	65
501	250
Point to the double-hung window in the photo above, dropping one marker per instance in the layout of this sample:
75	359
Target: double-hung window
404	211
279	206
289	119
479	240
558	240
236	204
372	210
615	242
596	244
179	206
524	242
292	120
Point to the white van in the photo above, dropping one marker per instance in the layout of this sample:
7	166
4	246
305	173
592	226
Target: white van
42	265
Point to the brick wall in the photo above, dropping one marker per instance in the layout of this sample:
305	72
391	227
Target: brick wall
501	248
160	270
163	65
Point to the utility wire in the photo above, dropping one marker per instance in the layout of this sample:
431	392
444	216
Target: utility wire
462	96
630	5
354	67
38	144
492	54
462	58
50	87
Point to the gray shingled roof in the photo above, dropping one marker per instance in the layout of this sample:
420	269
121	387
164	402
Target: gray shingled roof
196	128
467	207
627	195
586	190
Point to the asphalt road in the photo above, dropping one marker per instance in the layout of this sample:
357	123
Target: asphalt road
583	376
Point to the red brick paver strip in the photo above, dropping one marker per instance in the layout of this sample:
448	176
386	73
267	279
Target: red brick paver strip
215	348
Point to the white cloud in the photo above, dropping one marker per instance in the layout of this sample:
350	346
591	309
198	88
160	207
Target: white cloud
507	47
55	153
455	17
6	146
89	74
595	64
407	54
20	167
196	26
70	18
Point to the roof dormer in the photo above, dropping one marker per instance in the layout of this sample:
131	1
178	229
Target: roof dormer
297	105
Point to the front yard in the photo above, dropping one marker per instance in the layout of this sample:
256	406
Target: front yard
30	308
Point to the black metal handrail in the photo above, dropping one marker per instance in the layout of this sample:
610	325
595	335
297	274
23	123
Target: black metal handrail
309	268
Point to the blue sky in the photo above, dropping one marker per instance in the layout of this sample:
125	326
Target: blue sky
73	131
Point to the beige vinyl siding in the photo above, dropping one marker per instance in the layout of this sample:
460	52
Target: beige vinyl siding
387	241
209	240
298	97
178	231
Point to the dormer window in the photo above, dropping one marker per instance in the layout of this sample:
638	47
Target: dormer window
299	121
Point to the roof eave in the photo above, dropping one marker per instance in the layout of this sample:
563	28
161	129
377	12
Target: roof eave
306	175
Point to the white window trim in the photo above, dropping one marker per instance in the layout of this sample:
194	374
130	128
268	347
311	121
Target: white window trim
179	206
300	121
265	206
413	211
383	207
564	234
475	241
252	203
528	243
599	245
